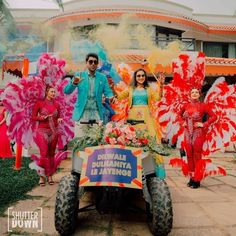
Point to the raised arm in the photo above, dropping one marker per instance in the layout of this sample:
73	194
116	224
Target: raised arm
71	86
154	93
161	82
107	90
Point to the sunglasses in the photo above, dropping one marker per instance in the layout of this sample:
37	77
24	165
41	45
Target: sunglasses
143	75
95	62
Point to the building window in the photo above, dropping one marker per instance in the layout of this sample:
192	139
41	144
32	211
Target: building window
213	49
82	32
232	50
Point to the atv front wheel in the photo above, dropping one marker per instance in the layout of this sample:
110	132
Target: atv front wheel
160	215
67	204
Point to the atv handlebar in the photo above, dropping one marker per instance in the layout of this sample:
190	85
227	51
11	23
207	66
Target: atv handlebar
132	122
89	122
135	122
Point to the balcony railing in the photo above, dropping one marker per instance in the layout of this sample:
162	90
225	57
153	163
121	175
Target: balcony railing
189	44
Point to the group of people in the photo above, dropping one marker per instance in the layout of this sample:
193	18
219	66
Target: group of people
91	86
94	96
92	104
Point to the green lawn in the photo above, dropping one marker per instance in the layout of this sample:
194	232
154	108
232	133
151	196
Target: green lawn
15	184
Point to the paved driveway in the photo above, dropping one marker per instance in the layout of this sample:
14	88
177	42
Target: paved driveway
207	211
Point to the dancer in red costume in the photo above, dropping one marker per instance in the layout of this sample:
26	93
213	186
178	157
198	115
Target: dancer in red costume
47	113
194	131
5	147
177	109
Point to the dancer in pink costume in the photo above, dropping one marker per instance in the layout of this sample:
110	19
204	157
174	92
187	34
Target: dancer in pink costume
5	147
26	97
47	113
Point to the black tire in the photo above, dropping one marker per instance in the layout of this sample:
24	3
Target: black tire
67	204
160	217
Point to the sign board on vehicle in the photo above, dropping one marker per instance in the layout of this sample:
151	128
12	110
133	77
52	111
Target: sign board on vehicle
111	166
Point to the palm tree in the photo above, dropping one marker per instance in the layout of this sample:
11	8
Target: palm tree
8	29
60	4
7	22
5	13
6	16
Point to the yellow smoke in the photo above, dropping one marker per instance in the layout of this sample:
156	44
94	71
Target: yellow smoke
123	36
114	37
144	37
156	55
126	36
163	56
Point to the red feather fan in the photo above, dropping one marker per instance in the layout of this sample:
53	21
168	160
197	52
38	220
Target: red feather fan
179	162
205	168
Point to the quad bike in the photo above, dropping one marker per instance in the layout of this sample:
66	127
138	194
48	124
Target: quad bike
117	198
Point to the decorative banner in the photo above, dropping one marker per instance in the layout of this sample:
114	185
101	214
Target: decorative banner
111	166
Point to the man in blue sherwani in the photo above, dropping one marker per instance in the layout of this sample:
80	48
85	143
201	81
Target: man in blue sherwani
91	86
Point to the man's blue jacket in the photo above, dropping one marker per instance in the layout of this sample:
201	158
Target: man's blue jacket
101	87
